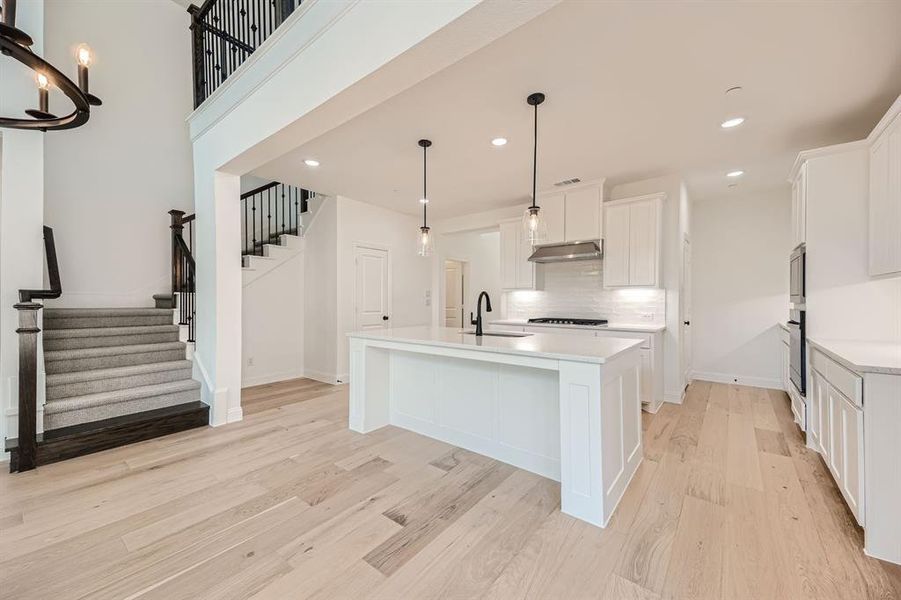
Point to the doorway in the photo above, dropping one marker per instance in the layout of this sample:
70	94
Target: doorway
372	288
685	310
454	293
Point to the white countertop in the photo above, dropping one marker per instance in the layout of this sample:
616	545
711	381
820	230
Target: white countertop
863	357
631	327
544	345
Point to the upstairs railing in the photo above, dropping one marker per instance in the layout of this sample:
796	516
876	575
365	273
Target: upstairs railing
226	32
184	270
269	211
26	454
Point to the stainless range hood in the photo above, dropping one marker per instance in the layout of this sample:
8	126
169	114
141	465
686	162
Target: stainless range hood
566	252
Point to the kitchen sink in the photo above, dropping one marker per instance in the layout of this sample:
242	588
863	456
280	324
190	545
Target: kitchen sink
512	334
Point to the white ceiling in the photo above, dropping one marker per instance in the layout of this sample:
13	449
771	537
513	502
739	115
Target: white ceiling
634	90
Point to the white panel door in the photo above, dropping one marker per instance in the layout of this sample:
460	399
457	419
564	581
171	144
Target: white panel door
836	455
583	214
553	212
814	409
616	245
685	307
453	293
646	379
372	293
643	243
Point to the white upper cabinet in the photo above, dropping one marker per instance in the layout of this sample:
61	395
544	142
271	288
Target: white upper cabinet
517	273
799	207
574	215
632	241
885	201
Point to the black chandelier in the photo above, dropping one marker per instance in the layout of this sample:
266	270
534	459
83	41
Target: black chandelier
17	44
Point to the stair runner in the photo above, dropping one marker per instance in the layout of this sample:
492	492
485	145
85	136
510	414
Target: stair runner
109	362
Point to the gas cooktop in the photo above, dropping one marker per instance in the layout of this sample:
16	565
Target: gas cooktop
568	321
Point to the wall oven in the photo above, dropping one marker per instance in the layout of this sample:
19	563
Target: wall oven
797	286
797	350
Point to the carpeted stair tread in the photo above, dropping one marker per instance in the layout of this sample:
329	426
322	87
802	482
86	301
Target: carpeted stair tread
69	313
75	353
81	332
115	372
114	397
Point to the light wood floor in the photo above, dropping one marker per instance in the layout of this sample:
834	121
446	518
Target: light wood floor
290	504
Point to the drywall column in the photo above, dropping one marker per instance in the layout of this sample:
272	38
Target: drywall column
217	358
21	213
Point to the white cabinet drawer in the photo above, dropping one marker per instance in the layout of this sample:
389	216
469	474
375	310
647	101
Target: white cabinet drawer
850	384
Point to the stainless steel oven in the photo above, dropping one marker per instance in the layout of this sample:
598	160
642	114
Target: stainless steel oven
797	350
797	286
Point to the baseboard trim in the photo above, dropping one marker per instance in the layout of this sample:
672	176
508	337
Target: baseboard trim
235	414
673	397
321	376
271	378
734	379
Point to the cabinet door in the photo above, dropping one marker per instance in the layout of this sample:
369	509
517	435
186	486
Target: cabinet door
814	403
835	457
824	420
786	366
525	270
509	252
616	245
646	381
643	243
851	433
583	214
802	205
552	209
885	202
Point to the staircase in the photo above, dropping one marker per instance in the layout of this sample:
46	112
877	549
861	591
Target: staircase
109	362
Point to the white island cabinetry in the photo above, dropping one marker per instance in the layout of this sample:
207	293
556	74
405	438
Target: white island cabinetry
563	407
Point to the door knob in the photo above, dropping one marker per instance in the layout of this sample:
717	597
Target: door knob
384	317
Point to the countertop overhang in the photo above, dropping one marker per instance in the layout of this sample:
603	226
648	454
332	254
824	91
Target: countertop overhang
542	345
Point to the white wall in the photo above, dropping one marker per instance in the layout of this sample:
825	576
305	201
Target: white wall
366	224
321	294
21	213
741	245
843	302
110	182
272	324
481	253
673	230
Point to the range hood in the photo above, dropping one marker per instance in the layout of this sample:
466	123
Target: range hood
566	252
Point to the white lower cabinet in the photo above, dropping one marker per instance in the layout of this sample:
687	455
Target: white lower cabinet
646	382
835	430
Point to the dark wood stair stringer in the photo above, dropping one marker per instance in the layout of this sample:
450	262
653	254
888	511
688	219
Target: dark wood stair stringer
78	440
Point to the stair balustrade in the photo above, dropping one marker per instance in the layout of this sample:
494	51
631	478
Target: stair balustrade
25	456
269	211
225	33
184	270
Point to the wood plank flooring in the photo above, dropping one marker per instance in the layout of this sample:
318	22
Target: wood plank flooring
289	503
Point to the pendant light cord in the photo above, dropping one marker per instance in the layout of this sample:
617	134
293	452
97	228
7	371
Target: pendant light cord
425	205
535	158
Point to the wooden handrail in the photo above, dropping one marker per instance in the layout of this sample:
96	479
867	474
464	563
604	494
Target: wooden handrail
262	188
55	290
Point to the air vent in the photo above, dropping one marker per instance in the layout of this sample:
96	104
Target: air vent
567	182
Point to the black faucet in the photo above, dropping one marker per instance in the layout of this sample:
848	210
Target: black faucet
478	320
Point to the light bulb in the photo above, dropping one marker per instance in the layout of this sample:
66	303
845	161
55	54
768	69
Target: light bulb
424	245
42	81
83	55
424	239
423	200
533	221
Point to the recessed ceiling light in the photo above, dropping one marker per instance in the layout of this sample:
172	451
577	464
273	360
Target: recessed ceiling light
733	122
311	162
499	141
735	173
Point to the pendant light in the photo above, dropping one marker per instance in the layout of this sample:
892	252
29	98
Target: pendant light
533	225
424	239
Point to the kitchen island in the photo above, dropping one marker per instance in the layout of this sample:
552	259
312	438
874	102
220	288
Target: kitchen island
563	407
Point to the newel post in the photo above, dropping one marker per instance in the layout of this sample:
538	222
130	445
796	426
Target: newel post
197	43
28	384
177	227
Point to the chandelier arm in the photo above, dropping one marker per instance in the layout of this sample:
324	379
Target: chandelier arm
76	118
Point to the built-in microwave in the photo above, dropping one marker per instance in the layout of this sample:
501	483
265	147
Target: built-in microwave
797	286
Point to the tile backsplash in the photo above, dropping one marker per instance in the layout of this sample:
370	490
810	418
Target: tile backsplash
576	289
